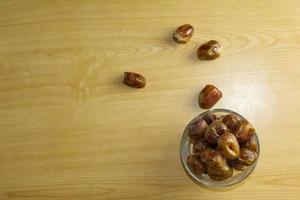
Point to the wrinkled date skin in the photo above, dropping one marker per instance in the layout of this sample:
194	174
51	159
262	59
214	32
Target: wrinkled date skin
200	146
230	146
244	131
247	156
231	121
209	96
236	164
209	50
183	34
214	131
134	80
209	118
220	174
213	158
196	130
251	144
196	164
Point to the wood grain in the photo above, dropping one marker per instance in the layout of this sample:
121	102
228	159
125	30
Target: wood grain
71	130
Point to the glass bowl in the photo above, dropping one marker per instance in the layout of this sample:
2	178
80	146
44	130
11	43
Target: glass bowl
204	180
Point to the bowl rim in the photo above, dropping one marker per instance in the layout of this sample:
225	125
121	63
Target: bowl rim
218	184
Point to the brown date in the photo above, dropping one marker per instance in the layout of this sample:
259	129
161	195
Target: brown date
213	158
247	156
134	80
209	117
230	146
183	34
244	131
251	144
200	146
209	96
236	164
220	174
196	130
196	164
214	131
209	50
231	121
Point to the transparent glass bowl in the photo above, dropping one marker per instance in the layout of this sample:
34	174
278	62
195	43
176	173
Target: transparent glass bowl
204	180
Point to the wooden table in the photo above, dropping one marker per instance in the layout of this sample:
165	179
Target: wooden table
69	129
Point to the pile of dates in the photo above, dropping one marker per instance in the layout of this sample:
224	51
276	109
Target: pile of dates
221	144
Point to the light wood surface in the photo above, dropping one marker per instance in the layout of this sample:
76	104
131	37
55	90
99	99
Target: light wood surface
69	129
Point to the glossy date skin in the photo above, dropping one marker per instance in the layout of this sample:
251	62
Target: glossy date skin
134	80
183	34
209	96
196	130
244	131
220	174
213	158
231	121
214	131
195	163
230	146
209	50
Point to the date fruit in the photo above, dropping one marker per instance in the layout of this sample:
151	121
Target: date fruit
231	121
196	164
237	165
209	96
209	50
134	80
183	34
230	146
250	144
244	131
213	158
200	146
197	129
220	174
209	117
247	156
214	131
